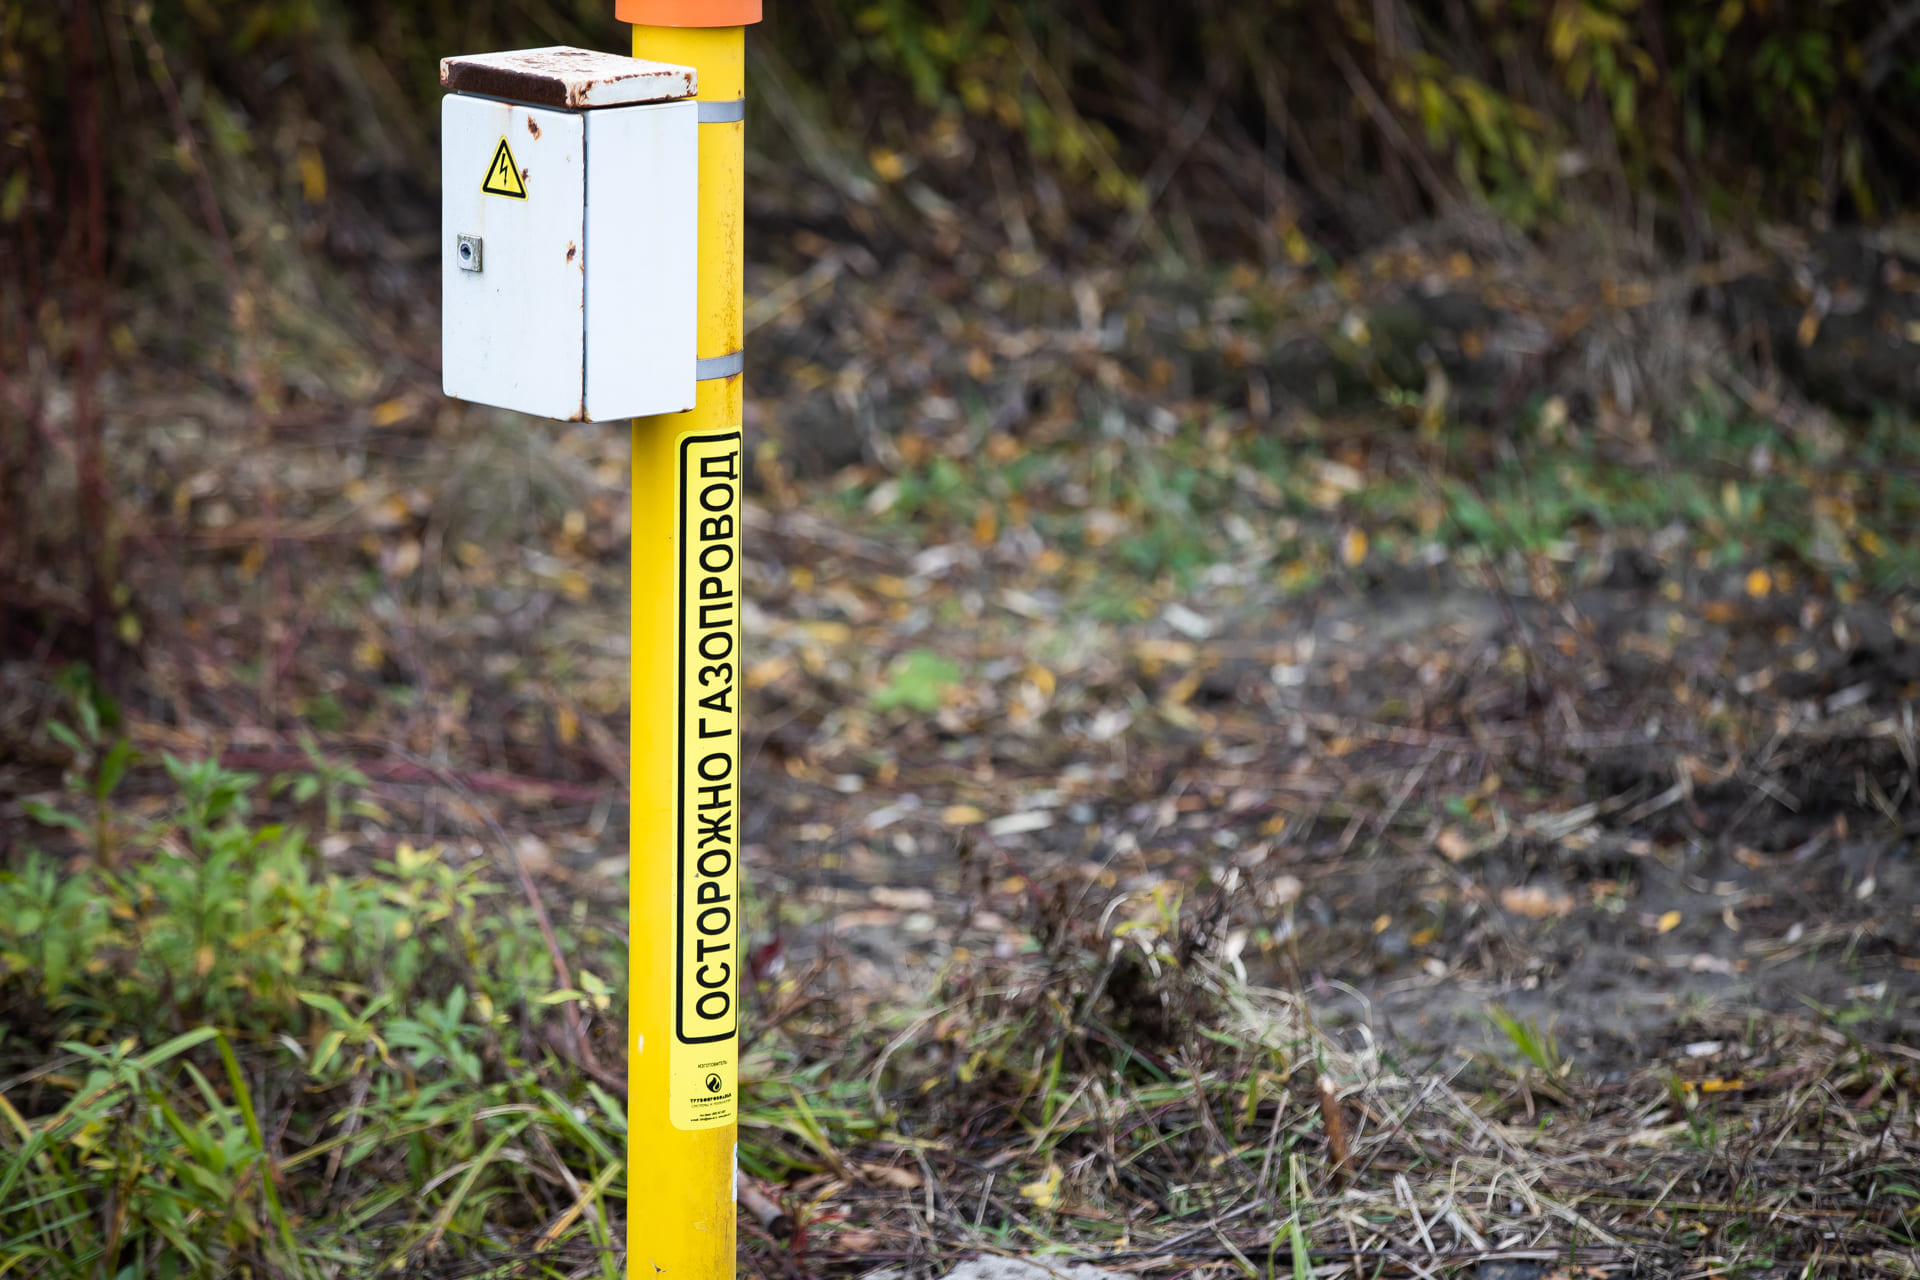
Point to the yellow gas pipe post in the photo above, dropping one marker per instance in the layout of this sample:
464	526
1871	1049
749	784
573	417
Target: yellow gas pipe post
682	1055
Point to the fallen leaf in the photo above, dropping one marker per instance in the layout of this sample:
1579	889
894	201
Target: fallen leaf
890	1176
1044	1193
1353	548
1014	824
405	558
535	854
986	525
910	899
1717	1085
1284	889
1188	623
762	674
1453	845
1534	902
868	918
1809	327
1668	922
388	412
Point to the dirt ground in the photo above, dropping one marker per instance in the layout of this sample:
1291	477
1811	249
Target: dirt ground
1610	787
1646	886
1060	625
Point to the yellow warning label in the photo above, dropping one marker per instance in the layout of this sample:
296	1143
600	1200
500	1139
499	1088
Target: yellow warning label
503	175
703	1060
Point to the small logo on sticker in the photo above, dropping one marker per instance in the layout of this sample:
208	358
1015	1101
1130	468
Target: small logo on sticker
503	175
713	1082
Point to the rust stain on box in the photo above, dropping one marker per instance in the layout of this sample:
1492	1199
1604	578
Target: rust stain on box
568	79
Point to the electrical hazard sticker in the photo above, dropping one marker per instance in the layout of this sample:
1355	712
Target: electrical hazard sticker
503	175
703	1061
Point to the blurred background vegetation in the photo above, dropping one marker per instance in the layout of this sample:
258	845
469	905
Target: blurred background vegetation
243	193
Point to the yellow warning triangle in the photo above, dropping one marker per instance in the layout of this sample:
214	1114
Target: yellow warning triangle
503	175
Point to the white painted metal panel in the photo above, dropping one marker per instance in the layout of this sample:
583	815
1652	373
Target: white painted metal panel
642	212
512	331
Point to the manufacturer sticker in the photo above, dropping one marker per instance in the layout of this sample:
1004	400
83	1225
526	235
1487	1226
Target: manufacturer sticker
704	1057
503	175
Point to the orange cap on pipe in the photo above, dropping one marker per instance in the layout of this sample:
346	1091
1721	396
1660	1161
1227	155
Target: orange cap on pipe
688	13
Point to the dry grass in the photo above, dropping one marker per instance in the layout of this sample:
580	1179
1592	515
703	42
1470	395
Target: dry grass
1129	1100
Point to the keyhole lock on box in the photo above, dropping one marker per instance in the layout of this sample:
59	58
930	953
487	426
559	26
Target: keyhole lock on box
569	187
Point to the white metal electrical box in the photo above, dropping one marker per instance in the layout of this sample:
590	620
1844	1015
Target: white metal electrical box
569	188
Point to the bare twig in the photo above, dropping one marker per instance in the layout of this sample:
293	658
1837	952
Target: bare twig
1336	1125
190	149
777	1222
1390	128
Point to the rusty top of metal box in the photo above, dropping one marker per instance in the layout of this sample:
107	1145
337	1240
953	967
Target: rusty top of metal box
567	78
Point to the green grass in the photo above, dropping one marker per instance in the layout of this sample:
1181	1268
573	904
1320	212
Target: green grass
918	681
1129	515
1535	1046
221	1057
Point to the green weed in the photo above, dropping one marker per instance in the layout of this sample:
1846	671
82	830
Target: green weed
1133	525
1533	1045
917	682
222	1058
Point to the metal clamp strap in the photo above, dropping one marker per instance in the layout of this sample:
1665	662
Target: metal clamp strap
707	368
727	112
